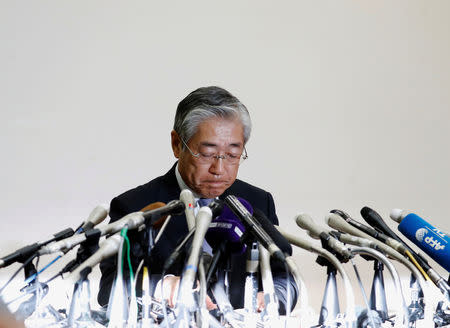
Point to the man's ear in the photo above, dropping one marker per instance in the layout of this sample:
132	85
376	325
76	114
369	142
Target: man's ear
176	143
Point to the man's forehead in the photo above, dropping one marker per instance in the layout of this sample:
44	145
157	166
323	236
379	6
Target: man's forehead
220	131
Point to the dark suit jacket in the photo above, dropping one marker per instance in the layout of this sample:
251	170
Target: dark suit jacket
164	189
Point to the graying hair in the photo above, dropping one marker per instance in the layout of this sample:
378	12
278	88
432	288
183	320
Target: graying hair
209	102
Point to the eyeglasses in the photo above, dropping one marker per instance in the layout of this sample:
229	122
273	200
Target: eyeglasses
228	158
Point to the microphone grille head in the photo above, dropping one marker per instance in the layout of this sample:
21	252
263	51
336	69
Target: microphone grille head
365	211
397	215
153	206
105	207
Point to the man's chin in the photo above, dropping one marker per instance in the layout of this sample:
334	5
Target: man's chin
213	192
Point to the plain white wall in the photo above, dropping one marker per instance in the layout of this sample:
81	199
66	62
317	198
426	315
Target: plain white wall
349	100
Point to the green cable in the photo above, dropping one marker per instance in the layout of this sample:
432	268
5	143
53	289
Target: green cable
123	233
129	258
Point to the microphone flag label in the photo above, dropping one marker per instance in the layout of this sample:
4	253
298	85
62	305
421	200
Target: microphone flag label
428	238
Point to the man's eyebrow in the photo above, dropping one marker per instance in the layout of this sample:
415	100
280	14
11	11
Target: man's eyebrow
208	144
211	144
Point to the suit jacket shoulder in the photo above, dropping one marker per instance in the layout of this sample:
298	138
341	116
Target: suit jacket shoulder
161	189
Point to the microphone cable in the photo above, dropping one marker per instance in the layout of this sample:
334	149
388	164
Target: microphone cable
358	277
18	270
126	248
23	288
418	266
133	310
163	301
116	305
288	291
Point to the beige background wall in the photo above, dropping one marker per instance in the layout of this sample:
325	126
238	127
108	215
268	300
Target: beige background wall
349	99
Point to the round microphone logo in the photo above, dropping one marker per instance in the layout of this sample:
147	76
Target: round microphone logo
420	234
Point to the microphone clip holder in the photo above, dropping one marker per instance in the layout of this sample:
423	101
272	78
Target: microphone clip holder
324	237
87	249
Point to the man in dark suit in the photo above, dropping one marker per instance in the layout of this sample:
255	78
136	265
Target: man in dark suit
210	132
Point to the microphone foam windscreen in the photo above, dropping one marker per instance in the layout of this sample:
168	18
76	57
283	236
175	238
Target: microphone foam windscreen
227	226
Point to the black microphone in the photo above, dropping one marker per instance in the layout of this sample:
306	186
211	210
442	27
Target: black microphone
216	207
24	253
253	226
376	221
178	250
273	232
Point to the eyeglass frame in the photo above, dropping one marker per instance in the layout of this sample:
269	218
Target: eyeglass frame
242	157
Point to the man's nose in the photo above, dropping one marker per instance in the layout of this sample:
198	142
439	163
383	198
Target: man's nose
217	166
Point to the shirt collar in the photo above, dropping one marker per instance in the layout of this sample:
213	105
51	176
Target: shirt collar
183	185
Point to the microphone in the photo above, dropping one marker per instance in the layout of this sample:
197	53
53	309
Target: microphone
108	247
98	214
225	234
273	233
257	231
428	238
203	219
153	206
305	221
215	207
159	222
374	219
132	220
174	207
307	245
285	246
22	254
178	250
188	200
398	246
270	298
228	229
338	223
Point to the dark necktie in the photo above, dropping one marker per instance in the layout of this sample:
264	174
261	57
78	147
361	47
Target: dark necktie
204	201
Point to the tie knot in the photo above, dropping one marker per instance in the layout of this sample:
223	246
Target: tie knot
204	201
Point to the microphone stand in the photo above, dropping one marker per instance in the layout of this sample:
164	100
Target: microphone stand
329	311
270	313
147	245
251	281
330	302
218	254
416	308
402	314
377	300
80	309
